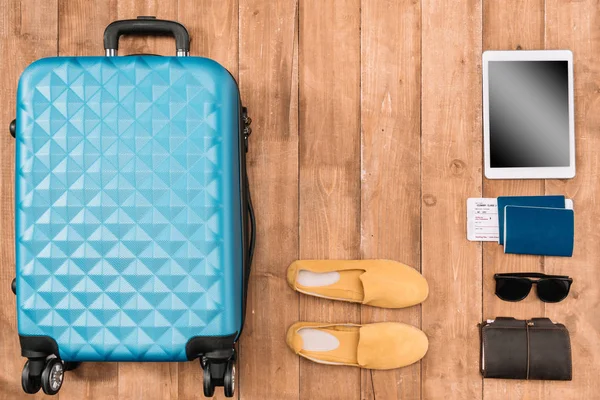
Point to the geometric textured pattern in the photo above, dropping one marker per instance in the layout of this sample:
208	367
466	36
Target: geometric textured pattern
128	239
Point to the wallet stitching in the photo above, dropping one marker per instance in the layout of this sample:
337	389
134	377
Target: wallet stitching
482	349
527	330
483	334
570	354
503	327
549	328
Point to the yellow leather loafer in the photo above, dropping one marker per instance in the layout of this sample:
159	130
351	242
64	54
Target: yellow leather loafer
383	345
379	283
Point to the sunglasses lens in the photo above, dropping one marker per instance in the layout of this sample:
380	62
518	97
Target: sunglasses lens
553	290
512	289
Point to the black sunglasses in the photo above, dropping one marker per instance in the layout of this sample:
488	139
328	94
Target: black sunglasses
516	286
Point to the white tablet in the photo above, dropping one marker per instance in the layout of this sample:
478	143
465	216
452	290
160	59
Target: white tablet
528	117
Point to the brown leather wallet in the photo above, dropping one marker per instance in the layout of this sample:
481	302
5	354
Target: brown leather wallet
525	349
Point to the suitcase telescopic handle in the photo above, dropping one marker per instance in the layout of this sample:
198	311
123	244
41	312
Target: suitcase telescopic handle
146	26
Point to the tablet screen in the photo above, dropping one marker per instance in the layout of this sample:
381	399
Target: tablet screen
528	114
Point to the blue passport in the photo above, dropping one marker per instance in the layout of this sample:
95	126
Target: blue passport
540	231
527	201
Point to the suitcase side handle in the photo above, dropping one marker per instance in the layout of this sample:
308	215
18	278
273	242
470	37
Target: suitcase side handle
146	26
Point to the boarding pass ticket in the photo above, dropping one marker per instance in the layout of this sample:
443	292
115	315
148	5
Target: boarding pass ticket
482	219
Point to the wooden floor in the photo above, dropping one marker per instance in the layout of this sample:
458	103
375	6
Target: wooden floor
367	142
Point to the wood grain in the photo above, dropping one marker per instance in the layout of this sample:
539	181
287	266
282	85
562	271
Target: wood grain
451	172
511	25
367	143
576	26
213	28
81	27
27	32
391	170
329	86
269	44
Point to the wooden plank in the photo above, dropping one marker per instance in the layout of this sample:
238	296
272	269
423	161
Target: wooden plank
81	28
511	25
391	173
576	26
329	87
28	31
451	172
329	82
269	86
213	28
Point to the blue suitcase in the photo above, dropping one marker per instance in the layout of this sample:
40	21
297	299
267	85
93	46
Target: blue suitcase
134	227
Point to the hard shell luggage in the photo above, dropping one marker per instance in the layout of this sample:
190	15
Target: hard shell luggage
134	226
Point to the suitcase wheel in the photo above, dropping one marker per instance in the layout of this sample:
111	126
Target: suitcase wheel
208	384
31	383
229	379
218	374
52	376
46	374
